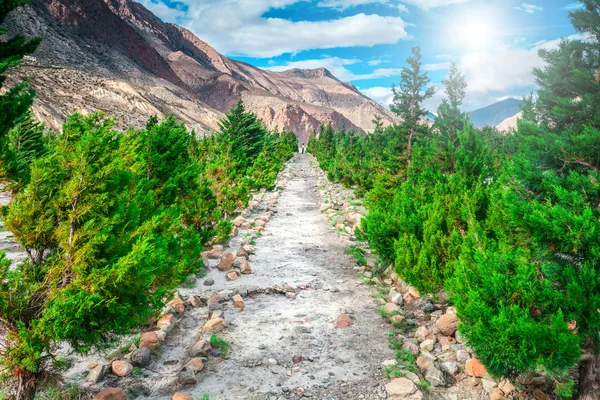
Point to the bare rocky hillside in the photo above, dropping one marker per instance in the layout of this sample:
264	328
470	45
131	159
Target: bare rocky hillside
116	56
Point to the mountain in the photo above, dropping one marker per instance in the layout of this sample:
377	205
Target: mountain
118	57
509	123
494	114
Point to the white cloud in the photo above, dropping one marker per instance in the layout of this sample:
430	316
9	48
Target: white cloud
237	27
529	8
427	4
444	57
163	11
382	95
436	66
573	6
344	4
374	62
402	8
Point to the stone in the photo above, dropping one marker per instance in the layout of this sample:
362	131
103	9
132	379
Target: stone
426	305
539	395
121	368
216	314
213	254
506	386
290	295
427	345
396	319
200	349
412	347
423	362
389	363
245	268
418	395
226	261
111	394
96	374
195	364
187	377
462	356
231	276
209	282
397	299
408	298
215	299
488	385
434	376
414	292
450	367
166	322
250	249
413	377
391	308
178	304
214	325
342	321
195	301
238	302
182	396
400	388
447	324
496	394
238	221
474	367
422	333
141	357
242	253
237	262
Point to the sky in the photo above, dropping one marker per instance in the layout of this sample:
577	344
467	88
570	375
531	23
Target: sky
366	42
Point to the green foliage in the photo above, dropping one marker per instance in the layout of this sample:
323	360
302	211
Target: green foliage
217	342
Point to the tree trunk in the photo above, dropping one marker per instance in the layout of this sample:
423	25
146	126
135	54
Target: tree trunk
589	374
409	146
26	386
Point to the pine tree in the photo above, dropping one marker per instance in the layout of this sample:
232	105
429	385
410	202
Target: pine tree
450	118
409	96
18	99
26	143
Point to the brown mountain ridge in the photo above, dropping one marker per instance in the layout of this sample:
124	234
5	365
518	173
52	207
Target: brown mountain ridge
117	56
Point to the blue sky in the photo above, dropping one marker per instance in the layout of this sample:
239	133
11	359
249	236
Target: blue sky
366	42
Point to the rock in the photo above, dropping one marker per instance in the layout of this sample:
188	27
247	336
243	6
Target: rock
342	321
245	267
242	253
200	349
214	325
297	359
422	333
290	295
447	324
215	299
238	302
238	221
226	261
427	345
391	308
413	377
111	394
434	376
216	314
450	367
496	394
141	357
506	386
488	385
209	282
213	254
389	363
122	368
462	356
423	362
426	305
166	322
195	364
414	292
475	368
250	249
96	374
418	395
178	304
539	395
187	377
231	276
182	396
218	247
396	298
400	388
195	301
408	298
396	319
410	346
238	261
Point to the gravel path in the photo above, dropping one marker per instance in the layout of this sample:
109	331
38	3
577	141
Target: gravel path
300	248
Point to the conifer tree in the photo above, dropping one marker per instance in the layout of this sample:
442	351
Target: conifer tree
409	96
450	118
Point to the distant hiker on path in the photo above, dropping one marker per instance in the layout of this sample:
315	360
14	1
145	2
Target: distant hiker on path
302	149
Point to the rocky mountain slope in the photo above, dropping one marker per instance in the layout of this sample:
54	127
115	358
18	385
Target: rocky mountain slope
494	114
116	56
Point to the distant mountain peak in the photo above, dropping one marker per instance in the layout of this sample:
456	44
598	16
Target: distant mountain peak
494	114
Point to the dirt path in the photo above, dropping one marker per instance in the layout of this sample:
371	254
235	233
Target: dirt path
299	248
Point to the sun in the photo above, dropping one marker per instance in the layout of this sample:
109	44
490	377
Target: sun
475	33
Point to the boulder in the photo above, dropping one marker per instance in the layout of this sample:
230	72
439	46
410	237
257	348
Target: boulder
214	325
111	394
237	262
238	302
195	364
475	368
423	362
226	261
231	276
434	376
122	367
177	303
187	377
238	221
182	396
342	321
427	345
450	367
150	340
195	301
141	357
166	322
447	324
400	388
96	374
422	333
506	386
242	253
200	349
245	267
412	347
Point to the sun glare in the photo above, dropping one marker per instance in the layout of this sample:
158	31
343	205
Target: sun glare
475	33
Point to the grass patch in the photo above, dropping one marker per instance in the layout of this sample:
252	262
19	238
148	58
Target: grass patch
358	254
217	342
387	314
406	359
394	372
424	384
